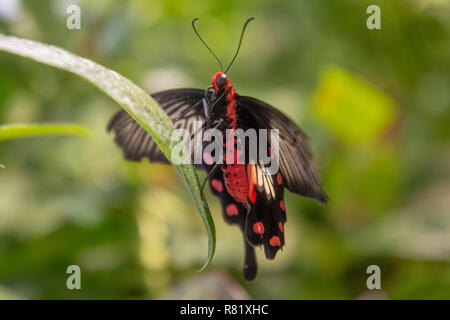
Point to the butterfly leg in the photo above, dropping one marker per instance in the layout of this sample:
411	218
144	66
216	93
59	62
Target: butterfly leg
198	130
210	174
205	108
216	100
216	125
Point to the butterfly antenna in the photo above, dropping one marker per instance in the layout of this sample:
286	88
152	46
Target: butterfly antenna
198	35
240	42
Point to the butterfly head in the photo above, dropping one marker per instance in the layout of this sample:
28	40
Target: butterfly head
220	81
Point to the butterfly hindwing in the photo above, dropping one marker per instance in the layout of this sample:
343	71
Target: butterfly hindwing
267	215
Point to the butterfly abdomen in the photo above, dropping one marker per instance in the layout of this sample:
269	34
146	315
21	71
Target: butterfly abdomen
236	181
235	175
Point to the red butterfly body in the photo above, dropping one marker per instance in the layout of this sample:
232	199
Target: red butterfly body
250	197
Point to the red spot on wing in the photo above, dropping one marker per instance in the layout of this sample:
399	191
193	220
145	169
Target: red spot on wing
209	160
275	241
251	183
280	225
258	227
217	185
279	178
232	209
252	196
282	206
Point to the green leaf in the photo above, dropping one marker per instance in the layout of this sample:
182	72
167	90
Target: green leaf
12	131
132	98
354	110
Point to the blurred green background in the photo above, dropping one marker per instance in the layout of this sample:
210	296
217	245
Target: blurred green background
375	104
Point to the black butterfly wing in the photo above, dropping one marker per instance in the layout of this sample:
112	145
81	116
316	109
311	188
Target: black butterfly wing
300	175
267	215
135	141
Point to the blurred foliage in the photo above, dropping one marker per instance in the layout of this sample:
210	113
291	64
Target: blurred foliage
375	104
368	111
13	131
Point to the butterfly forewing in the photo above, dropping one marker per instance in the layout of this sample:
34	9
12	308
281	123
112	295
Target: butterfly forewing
183	106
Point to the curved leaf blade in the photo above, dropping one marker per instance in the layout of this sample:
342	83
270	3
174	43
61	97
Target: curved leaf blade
132	98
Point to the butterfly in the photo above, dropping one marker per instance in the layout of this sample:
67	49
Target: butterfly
250	197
